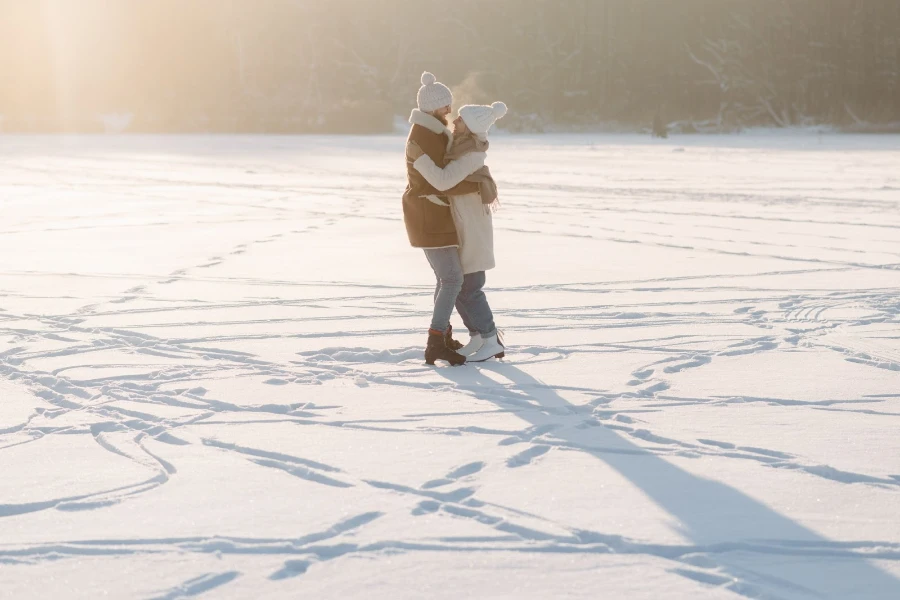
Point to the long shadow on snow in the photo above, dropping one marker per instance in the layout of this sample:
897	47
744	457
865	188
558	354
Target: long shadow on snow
710	512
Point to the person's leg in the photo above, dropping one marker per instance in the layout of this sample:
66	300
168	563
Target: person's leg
488	344
448	270
471	282
463	309
451	343
437	279
476	305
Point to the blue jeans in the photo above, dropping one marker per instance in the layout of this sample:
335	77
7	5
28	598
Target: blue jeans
473	307
463	291
449	274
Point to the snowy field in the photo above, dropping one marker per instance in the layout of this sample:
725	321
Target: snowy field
211	374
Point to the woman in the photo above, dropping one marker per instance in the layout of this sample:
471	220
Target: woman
472	215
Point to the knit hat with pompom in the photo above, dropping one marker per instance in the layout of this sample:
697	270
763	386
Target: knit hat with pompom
480	118
433	95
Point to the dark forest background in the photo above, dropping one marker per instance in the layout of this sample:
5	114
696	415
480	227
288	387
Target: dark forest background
353	66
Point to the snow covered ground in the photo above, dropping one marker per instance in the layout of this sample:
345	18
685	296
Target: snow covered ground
211	380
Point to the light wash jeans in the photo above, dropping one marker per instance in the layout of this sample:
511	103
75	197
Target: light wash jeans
473	307
464	292
449	274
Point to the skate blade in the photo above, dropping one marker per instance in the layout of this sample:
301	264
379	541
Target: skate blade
500	355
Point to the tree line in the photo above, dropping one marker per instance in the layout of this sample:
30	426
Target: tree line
353	66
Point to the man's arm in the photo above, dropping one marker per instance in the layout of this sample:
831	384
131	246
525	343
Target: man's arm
451	175
463	188
435	148
414	152
466	187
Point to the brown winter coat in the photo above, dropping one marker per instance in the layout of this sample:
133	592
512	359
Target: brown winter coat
428	224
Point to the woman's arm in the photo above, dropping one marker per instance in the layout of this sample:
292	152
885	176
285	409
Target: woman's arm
453	173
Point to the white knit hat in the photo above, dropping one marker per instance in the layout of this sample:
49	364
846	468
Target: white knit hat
480	118
433	95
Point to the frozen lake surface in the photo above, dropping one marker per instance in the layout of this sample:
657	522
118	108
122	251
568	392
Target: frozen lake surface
211	374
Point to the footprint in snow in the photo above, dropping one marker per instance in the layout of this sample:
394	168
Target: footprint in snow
525	458
454	475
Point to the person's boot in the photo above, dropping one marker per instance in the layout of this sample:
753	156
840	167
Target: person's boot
451	343
492	347
437	350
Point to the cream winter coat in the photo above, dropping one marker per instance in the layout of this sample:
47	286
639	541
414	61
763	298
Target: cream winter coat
475	227
473	219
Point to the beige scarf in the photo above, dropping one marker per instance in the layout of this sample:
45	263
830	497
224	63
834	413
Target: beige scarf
464	144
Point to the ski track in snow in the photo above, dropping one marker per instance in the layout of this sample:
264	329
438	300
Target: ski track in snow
246	324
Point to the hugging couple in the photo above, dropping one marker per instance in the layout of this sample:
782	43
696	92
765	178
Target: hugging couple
447	208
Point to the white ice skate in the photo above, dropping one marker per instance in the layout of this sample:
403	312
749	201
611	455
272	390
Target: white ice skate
475	344
491	347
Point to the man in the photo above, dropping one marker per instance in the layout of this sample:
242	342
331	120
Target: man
427	215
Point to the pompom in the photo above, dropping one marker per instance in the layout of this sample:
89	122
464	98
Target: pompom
428	78
499	109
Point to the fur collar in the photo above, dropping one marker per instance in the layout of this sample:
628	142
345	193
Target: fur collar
428	122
